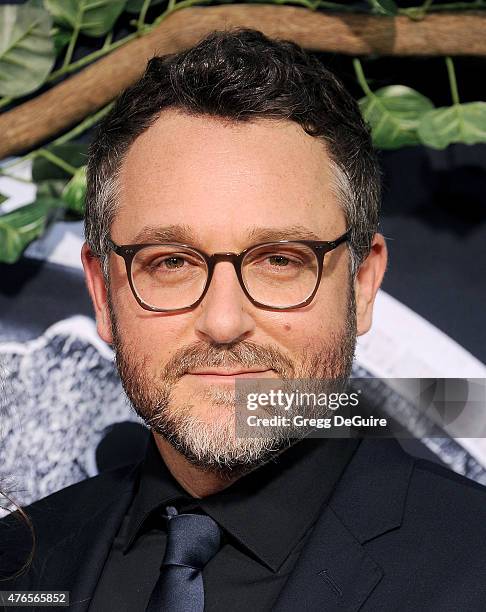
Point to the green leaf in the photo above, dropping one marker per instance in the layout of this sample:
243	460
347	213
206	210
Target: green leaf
135	6
91	17
72	153
26	49
61	38
2	198
74	193
384	7
23	225
394	113
52	188
464	123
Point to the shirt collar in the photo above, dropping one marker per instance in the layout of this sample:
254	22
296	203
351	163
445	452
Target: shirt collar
268	511
156	487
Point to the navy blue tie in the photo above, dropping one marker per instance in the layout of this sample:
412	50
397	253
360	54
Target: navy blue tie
192	540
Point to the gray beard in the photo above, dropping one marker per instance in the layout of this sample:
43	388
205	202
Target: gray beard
214	447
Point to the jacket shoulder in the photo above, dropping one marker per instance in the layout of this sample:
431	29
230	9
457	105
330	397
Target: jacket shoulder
58	515
83	497
385	487
439	489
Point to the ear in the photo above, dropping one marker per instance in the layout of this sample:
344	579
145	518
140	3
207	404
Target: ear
367	282
95	283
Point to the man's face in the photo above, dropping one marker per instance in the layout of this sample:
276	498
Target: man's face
223	180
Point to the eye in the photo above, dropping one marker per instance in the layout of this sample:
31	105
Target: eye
171	262
281	261
277	259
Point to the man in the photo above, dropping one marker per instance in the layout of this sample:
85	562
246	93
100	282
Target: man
230	148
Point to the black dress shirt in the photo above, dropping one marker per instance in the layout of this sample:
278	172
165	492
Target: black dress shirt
265	517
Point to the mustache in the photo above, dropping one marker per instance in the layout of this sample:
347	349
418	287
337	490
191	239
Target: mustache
244	354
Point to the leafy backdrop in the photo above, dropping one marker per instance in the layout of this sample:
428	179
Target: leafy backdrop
38	47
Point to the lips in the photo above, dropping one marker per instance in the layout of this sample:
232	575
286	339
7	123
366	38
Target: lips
227	372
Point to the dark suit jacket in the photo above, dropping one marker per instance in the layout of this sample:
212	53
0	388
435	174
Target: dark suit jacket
399	534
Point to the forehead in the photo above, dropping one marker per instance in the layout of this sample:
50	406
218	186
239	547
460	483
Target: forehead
221	178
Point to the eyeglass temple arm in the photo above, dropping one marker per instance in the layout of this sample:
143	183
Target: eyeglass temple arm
335	243
114	247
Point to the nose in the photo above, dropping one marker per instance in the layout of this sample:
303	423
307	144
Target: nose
223	316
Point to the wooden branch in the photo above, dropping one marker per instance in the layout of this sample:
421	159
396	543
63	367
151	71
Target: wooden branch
72	100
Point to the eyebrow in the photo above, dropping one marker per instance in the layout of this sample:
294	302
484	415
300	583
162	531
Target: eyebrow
291	232
184	234
169	233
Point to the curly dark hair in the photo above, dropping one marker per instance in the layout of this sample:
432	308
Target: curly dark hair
241	75
17	534
26	550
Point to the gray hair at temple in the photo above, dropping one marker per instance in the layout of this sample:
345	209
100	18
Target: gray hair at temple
240	75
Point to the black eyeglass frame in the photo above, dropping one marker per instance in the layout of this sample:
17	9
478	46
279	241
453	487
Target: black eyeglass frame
319	247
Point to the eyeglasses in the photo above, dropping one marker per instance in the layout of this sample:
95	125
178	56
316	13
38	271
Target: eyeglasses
171	277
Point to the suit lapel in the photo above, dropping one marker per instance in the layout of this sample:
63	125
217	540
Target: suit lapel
85	550
334	571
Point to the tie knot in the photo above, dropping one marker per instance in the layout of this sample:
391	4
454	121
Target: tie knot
192	540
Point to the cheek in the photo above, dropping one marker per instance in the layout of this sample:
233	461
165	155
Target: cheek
153	338
317	323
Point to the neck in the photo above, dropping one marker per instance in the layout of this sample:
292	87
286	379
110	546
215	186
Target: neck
197	482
